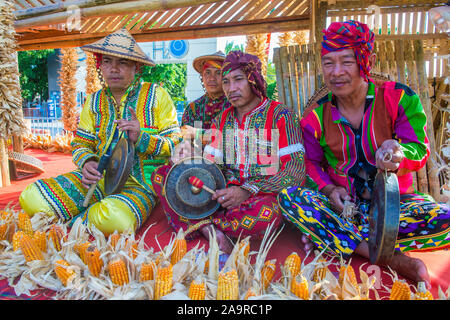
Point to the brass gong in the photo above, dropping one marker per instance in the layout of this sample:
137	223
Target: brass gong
119	166
384	217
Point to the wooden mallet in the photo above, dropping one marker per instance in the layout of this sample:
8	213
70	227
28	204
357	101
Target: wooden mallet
197	183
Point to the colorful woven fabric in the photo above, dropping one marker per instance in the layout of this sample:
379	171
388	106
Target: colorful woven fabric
350	35
392	111
251	66
424	224
263	153
204	110
251	218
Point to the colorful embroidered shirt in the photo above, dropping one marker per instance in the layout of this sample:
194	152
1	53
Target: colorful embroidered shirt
263	153
335	151
204	109
96	134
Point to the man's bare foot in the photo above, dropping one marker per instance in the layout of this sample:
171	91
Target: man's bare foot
223	242
412	268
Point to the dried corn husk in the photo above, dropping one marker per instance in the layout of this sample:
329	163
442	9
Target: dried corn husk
67	83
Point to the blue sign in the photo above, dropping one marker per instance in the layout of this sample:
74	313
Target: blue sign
178	48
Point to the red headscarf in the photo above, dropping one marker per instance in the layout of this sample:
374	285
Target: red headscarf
350	35
251	66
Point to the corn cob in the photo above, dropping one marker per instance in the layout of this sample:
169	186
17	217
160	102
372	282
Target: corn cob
422	292
132	251
113	240
80	249
147	271
197	290
320	271
118	272
64	273
16	239
164	280
250	293
29	249
179	250
293	264
228	285
350	273
400	291
24	223
267	272
246	245
56	234
93	260
300	288
40	238
6	225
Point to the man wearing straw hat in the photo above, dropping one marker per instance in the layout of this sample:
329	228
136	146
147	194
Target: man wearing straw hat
362	126
143	112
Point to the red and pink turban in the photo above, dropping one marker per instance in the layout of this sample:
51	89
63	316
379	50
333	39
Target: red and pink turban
251	66
350	35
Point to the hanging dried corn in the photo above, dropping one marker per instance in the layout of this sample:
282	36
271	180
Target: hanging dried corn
258	45
92	80
67	82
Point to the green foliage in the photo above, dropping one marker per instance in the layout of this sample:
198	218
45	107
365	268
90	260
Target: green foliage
171	77
271	78
230	46
33	73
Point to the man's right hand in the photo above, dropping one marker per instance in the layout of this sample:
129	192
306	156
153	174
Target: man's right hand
90	175
337	195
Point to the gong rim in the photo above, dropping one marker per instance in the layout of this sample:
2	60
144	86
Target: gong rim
174	208
115	186
384	218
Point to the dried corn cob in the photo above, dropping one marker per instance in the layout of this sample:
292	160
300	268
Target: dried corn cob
56	235
147	271
118	272
7	226
250	293
293	264
40	238
179	250
64	273
29	249
197	290
16	239
228	285
164	280
320	270
267	272
24	223
349	272
113	240
80	249
132	245
244	246
300	288
422	292
93	260
400	291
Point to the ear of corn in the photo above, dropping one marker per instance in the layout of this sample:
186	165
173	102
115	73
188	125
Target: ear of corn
164	280
179	251
400	291
40	238
80	249
422	292
56	234
244	247
228	285
147	271
16	239
29	249
267	272
320	270
118	272
113	240
300	288
250	293
24	223
293	264
64	274
7	228
349	272
93	260
132	245
197	290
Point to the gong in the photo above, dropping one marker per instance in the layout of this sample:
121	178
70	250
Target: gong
185	199
119	166
384	218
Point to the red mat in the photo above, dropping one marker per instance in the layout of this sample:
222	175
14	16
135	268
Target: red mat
438	263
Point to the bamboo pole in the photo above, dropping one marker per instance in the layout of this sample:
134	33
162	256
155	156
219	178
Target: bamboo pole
4	165
120	8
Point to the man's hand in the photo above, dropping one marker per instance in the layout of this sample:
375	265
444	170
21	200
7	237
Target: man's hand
188	132
389	155
231	197
90	175
181	151
132	126
337	195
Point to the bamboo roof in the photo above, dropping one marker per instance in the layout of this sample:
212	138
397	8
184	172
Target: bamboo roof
43	24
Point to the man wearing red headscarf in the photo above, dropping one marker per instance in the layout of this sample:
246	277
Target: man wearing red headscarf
360	127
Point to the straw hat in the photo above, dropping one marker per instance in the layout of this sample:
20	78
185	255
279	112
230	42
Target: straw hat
120	44
200	61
